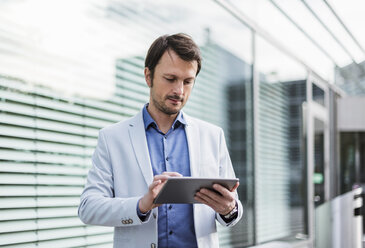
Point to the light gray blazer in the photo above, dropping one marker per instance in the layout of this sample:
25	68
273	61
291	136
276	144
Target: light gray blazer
122	171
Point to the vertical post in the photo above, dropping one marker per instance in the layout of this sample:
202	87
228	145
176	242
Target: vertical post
255	102
310	160
327	182
357	158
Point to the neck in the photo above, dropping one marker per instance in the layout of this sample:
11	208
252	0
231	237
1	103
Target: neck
163	121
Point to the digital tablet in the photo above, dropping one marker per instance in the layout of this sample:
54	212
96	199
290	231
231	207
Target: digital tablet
183	189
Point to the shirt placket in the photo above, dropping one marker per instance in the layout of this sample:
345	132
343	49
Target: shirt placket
169	207
166	152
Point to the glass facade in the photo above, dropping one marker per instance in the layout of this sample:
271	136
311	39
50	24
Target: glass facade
279	178
62	79
352	160
67	69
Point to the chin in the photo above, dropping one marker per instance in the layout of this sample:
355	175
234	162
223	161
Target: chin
171	111
174	108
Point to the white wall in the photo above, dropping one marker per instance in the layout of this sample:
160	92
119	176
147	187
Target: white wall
351	114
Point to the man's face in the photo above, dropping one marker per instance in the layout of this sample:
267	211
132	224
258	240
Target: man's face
172	83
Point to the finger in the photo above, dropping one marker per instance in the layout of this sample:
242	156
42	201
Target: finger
224	192
208	200
154	184
197	198
172	174
212	195
201	200
235	187
160	177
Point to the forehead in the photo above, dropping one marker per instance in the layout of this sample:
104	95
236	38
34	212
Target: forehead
171	63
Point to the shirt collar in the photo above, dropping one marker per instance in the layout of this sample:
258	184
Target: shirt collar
148	120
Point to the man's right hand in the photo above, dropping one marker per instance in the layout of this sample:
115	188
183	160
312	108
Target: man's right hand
146	202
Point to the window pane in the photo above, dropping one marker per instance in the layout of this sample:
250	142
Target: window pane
62	79
280	182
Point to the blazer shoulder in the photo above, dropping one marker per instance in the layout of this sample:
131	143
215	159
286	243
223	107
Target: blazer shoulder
204	125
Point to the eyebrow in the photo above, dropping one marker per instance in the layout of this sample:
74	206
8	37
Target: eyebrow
173	75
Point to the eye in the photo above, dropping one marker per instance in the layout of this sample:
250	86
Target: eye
188	82
170	79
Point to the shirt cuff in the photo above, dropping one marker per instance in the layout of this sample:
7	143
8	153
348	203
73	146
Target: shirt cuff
142	216
233	217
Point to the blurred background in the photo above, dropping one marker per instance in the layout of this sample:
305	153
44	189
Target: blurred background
284	79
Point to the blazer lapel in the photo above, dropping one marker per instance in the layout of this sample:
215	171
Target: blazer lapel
138	138
193	138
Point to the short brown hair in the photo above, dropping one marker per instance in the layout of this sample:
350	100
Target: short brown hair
182	44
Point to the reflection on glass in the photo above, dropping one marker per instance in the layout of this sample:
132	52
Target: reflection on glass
318	177
279	194
62	79
241	145
267	16
352	160
318	94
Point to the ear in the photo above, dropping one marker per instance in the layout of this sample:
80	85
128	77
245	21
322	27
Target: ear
147	76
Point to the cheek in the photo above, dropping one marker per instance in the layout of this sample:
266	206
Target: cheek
156	91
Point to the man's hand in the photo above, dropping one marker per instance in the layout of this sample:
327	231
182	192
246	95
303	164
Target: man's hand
146	202
222	204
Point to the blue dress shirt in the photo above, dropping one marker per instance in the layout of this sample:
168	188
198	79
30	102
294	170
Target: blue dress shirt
169	152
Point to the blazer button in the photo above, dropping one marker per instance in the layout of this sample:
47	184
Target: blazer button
130	221
123	222
154	215
153	245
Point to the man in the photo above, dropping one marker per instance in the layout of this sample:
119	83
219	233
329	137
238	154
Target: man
134	158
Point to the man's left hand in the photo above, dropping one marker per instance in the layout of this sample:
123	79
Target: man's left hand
222	204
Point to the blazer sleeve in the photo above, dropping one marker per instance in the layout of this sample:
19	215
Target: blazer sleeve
98	205
226	171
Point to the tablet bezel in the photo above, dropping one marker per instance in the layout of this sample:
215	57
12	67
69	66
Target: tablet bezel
183	189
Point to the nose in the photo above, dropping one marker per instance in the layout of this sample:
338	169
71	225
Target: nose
179	88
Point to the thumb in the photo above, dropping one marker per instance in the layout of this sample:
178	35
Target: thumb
154	184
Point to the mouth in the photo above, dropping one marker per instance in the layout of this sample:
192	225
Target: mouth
174	100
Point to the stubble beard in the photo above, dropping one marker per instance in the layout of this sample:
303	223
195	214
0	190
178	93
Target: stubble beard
161	106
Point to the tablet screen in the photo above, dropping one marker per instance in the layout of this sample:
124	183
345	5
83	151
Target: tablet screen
183	189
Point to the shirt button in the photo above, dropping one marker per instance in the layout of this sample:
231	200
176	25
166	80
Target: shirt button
170	232
170	206
167	158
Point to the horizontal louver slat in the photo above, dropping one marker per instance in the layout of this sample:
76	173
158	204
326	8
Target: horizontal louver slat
32	202
47	139
273	167
17	237
42	169
45	149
